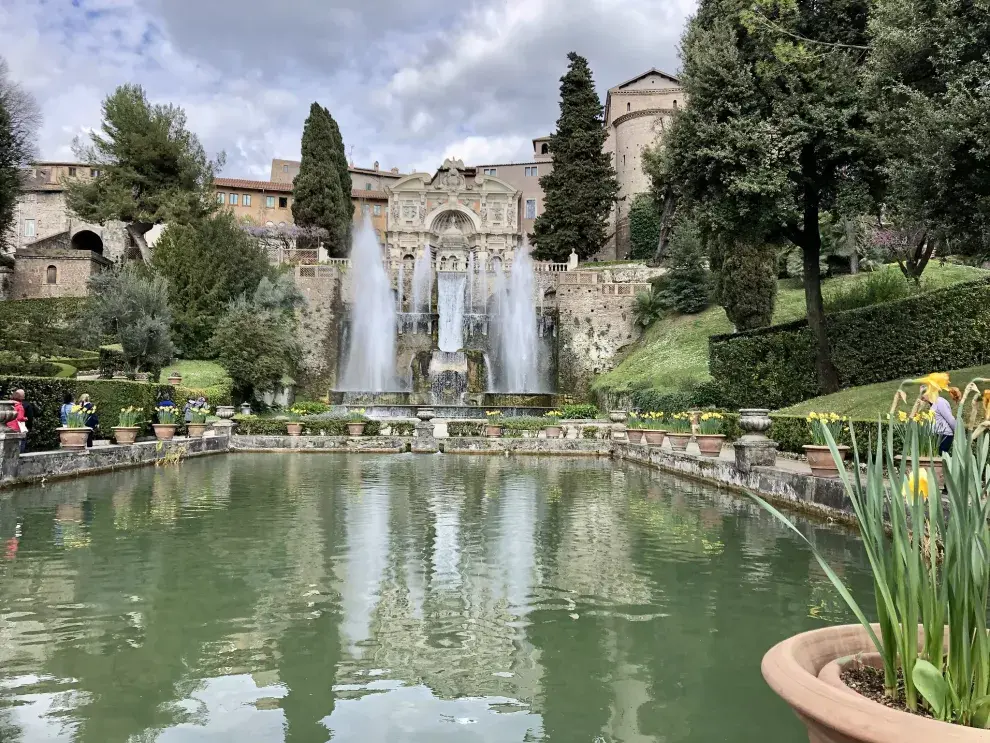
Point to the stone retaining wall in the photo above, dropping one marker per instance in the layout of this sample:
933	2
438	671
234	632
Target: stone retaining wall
365	444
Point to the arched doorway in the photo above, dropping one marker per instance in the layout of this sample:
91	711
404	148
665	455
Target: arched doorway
87	240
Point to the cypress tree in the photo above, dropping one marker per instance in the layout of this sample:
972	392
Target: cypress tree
318	198
9	179
582	187
340	161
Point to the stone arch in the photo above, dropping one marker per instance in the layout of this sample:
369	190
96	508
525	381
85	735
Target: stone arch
51	275
87	240
433	217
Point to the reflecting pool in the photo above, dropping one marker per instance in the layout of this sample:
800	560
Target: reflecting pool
306	597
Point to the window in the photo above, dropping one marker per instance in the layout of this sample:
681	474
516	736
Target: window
283	202
628	107
72	172
94	173
51	275
285	168
545	149
367	186
530	208
532	171
365	209
378	210
675	103
246	199
490	171
270	202
221	198
29	228
282	225
233	199
623	159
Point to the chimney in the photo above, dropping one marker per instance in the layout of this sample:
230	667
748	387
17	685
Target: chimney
376	165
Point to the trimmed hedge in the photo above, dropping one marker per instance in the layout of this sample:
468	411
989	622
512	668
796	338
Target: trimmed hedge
45	327
775	367
252	425
111	361
217	394
87	362
109	396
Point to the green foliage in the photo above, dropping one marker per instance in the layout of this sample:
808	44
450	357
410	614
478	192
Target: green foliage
112	361
132	309
256	347
40	327
581	188
207	264
745	283
582	411
703	395
877	287
513	427
252	425
774	367
109	396
20	118
686	288
322	190
310	407
649	307
644	227
468	428
152	168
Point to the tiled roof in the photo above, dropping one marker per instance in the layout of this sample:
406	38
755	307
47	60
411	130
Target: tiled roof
252	185
360	193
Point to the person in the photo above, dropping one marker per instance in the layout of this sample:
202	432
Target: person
31	412
188	409
19	423
164	402
67	402
945	423
92	419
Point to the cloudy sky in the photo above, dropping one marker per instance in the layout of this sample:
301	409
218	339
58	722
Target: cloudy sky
409	81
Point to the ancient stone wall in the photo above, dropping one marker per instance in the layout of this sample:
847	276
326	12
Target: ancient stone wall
319	323
53	272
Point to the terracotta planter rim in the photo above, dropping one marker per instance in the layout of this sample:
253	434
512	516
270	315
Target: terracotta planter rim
816	447
791	669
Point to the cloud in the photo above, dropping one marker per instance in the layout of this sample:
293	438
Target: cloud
409	83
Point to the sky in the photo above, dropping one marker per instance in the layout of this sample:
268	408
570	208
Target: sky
410	82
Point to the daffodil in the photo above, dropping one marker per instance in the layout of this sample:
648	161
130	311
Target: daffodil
919	486
934	384
986	404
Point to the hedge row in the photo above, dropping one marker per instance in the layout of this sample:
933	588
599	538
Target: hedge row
775	367
251	425
109	396
45	327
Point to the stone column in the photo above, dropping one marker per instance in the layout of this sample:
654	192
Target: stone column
224	426
10	442
754	449
424	441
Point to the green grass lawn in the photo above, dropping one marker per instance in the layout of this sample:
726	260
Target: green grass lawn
673	353
195	374
870	400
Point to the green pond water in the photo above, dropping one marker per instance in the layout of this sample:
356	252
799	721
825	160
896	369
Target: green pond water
304	597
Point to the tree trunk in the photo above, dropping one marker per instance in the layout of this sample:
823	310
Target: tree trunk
666	224
137	231
811	252
854	263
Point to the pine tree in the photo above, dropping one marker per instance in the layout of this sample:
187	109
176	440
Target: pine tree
580	190
319	196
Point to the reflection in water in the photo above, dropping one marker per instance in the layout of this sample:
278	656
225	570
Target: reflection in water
403	598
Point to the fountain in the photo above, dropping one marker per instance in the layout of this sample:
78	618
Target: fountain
422	283
518	340
370	356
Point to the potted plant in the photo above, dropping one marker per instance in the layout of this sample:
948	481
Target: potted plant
128	425
493	426
929	653
709	436
824	427
174	378
168	421
198	425
294	426
654	427
552	429
356	421
635	430
929	440
74	435
679	431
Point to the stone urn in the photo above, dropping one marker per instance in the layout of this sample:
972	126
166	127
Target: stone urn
710	444
356	429
618	416
821	461
245	408
196	430
426	414
755	422
73	439
165	431
805	671
7	413
225	412
126	435
654	437
294	428
679	441
552	432
175	379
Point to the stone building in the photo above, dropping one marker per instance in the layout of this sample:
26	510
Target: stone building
53	268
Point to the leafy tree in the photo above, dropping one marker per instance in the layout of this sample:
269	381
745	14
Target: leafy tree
152	168
776	131
256	347
687	286
581	189
207	264
322	190
20	118
927	76
133	309
644	227
745	284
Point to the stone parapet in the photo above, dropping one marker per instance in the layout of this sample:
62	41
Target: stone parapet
366	444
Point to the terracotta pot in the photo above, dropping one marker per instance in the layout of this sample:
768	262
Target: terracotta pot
655	437
926	462
820	459
165	431
552	432
679	441
710	444
73	439
636	435
126	435
356	429
175	379
493	432
804	671
294	429
195	430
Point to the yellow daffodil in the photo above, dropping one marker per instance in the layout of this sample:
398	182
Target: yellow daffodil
986	404
911	487
934	384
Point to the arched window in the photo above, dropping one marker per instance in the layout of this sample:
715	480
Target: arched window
51	276
629	107
496	263
443	263
545	149
675	103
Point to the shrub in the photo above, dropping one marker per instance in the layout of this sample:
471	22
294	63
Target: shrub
584	411
111	361
252	425
877	287
775	367
466	428
310	407
256	347
86	361
745	284
644	227
686	288
649	307
109	396
40	327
